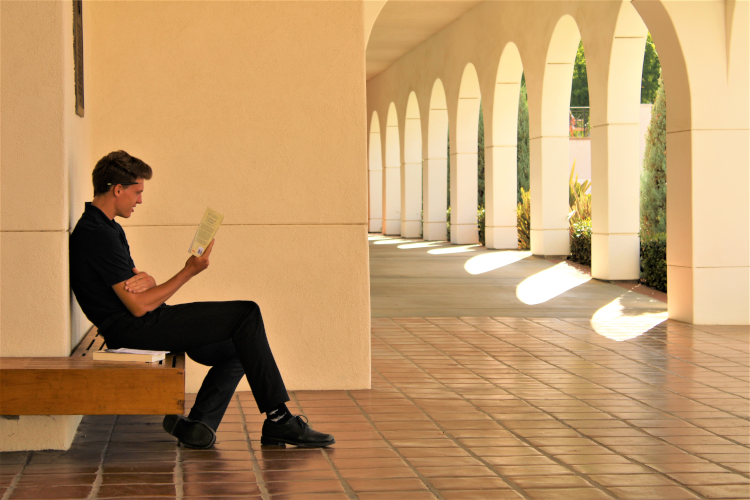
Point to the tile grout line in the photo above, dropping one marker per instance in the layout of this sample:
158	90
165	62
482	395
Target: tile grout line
541	322
421	476
93	494
344	483
450	436
256	468
178	474
630	376
634	342
512	485
655	351
17	477
656	472
522	438
593	439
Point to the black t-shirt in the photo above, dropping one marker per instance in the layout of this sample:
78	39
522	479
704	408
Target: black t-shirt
99	259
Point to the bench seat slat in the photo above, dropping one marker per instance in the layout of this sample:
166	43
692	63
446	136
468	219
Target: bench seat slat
78	385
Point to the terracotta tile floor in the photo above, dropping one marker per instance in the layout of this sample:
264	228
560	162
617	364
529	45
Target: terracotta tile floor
460	408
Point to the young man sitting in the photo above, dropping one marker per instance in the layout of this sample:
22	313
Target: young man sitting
129	309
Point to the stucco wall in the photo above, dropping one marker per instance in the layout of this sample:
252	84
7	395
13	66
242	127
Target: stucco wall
257	110
41	139
253	108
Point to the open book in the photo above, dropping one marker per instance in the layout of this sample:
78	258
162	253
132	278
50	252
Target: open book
124	354
206	232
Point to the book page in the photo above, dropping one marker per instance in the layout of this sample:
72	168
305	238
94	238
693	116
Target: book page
206	231
124	350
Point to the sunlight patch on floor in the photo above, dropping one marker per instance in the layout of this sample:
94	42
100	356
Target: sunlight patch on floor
393	242
453	249
550	283
490	261
615	322
425	244
378	237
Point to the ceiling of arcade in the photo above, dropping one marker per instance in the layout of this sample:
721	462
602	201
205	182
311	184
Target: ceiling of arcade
402	25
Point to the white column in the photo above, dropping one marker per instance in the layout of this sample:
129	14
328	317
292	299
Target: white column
464	184
548	184
615	164
615	180
375	184
392	184
411	200
435	174
411	174
500	187
435	181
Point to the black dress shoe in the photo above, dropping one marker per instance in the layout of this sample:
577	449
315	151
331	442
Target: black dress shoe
191	433
294	431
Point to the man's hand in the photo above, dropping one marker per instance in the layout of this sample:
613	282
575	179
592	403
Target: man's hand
196	265
140	282
148	299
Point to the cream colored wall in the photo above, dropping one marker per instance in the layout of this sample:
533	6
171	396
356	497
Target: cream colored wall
43	142
703	48
257	110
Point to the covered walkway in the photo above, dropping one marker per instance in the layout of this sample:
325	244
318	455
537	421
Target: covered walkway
462	406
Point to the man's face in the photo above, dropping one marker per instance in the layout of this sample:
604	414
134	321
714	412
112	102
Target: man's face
128	197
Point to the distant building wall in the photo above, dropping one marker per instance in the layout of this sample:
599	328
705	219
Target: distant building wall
580	147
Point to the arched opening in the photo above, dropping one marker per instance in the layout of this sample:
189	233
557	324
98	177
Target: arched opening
501	154
464	158
549	174
435	168
392	176
375	177
411	172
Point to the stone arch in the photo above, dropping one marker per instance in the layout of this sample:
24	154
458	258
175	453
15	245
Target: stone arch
500	154
549	152
392	175
435	167
411	172
463	174
375	177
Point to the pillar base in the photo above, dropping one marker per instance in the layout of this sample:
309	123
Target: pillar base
709	295
435	231
392	227
38	432
550	242
501	238
615	256
464	234
411	229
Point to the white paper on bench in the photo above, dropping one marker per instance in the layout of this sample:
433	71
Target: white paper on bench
124	350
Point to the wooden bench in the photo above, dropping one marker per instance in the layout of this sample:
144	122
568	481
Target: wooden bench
78	385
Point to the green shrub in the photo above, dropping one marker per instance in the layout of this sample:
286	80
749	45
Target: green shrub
654	261
448	222
523	216
580	242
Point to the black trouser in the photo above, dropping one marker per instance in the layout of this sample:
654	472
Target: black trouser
227	336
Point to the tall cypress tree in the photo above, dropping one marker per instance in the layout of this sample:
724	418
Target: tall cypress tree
480	158
522	151
654	173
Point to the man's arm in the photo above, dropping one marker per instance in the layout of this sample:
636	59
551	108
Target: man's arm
140	282
141	303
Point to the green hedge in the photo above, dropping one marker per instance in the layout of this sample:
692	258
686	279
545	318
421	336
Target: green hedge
654	261
580	242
